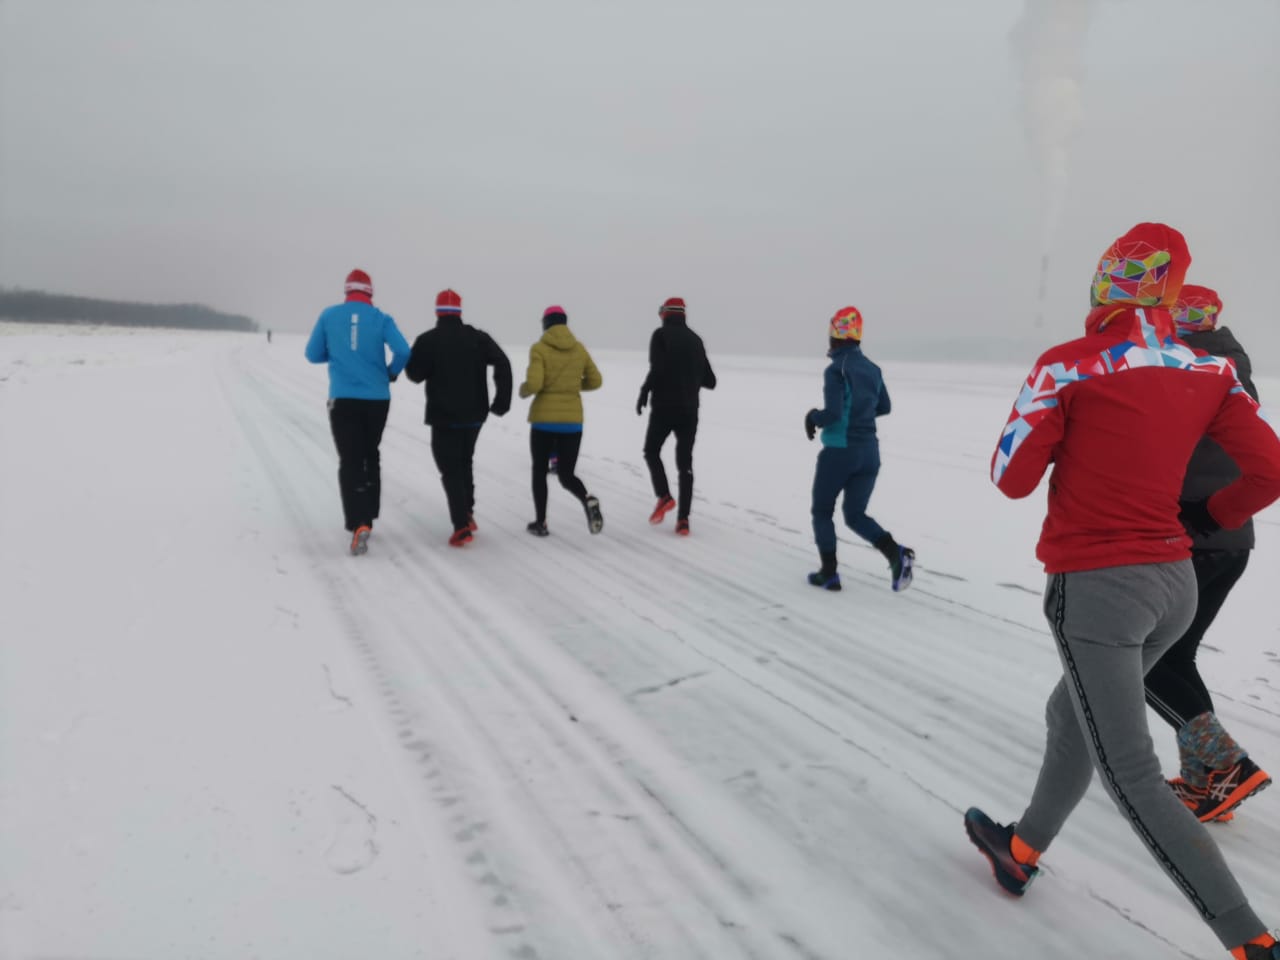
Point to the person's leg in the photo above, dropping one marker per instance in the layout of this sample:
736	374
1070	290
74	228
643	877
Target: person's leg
686	430
467	482
859	484
345	422
1174	687
541	443
655	436
375	422
567	447
829	477
448	447
1110	625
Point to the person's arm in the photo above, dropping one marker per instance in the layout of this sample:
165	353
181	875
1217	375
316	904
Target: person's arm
708	375
317	345
1242	429
421	365
832	397
1029	439
399	347
591	379
496	358
883	404
534	375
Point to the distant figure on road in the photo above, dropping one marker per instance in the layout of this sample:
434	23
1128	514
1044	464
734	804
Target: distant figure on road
853	396
1216	772
352	338
560	368
453	360
1116	414
678	370
268	335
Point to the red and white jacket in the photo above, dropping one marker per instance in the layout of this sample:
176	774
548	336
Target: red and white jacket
1118	413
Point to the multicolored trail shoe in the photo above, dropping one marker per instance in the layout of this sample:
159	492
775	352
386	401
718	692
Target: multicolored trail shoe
360	541
1192	797
1259	948
1229	788
995	841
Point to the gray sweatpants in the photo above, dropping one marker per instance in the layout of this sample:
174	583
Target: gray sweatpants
1111	626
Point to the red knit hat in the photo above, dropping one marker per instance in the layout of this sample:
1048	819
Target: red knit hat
1196	309
358	282
1143	268
448	301
673	305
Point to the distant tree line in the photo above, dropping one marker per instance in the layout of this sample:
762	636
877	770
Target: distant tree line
35	306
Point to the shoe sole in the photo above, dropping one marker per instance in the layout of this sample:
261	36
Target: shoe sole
999	876
360	545
1254	785
831	585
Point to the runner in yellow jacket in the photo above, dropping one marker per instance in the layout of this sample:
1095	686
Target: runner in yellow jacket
560	368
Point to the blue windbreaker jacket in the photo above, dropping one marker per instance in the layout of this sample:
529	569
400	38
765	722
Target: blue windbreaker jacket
352	338
853	395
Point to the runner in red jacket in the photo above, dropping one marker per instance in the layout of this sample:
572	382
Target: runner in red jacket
1117	414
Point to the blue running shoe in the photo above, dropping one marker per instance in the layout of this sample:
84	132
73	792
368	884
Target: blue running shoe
902	570
827	581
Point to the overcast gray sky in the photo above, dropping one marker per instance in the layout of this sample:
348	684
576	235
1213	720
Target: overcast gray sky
769	161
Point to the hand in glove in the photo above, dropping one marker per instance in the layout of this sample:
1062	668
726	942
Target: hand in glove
1195	516
640	404
810	428
393	377
497	410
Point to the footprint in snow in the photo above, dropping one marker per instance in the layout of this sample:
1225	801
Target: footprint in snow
354	845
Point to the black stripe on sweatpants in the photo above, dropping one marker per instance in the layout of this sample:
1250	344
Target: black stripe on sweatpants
1059	636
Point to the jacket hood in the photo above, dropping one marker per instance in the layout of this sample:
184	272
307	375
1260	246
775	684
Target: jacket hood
1197	308
1131	323
559	337
1143	268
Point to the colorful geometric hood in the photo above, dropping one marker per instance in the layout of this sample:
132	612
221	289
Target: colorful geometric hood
1197	308
1143	268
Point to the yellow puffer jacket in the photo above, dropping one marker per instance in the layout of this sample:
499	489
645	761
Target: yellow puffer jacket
559	370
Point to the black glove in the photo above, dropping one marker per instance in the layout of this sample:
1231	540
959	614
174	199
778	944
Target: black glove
1195	516
640	404
497	410
810	428
393	377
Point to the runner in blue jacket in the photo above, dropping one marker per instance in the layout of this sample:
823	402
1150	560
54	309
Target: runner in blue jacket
853	395
352	338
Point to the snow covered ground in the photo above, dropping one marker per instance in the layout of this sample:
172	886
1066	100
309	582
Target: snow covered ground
223	737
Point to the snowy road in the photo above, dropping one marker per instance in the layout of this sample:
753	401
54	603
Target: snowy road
623	746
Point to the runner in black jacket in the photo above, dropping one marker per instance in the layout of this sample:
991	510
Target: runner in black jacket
451	359
678	369
1213	765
